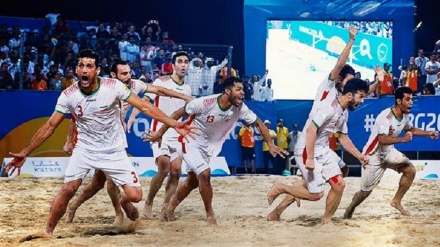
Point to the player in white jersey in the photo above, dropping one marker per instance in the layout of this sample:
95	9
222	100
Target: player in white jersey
121	70
312	151
93	102
216	116
329	88
165	153
380	148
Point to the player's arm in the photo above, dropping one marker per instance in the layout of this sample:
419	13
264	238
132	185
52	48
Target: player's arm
350	147
152	111
334	74
264	131
311	135
390	140
419	132
156	136
42	134
273	149
68	147
170	93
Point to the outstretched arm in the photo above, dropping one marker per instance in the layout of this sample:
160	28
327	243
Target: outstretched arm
156	136
334	74
152	111
42	134
170	93
419	132
273	149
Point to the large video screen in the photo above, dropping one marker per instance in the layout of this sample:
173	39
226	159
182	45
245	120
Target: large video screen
301	54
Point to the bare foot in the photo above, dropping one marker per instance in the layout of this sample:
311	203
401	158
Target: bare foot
118	219
70	214
274	192
399	207
211	221
131	211
326	222
298	202
164	207
272	216
147	211
167	215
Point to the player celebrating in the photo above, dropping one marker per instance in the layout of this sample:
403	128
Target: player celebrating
121	70
93	102
165	153
216	116
312	151
382	153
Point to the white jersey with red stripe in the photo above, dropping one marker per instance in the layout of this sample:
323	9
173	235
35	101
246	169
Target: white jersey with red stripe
387	123
214	122
136	86
168	104
97	116
326	90
329	118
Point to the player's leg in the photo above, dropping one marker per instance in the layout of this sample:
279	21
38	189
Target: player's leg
205	189
114	193
182	192
314	190
334	196
76	170
370	178
131	194
89	191
173	178
119	168
408	174
163	168
275	215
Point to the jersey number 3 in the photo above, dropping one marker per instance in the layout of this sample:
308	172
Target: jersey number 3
80	111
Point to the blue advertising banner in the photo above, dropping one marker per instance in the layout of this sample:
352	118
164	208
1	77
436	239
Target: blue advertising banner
25	111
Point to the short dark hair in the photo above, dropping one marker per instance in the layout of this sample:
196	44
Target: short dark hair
178	54
116	62
230	81
89	53
400	93
346	69
354	85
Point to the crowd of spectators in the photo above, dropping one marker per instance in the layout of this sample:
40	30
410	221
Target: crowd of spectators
45	59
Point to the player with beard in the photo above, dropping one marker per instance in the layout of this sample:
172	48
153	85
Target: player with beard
313	154
383	155
216	116
165	153
121	70
330	87
94	104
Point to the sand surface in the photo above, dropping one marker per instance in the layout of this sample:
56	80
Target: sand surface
241	208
